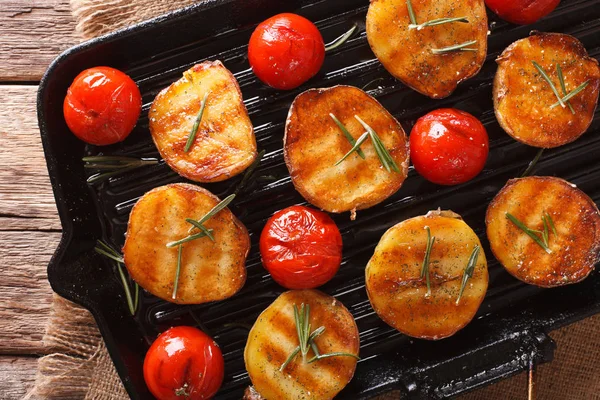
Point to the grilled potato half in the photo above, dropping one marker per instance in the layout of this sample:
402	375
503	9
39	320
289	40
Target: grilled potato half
398	290
274	337
313	144
573	231
524	100
409	53
224	144
210	271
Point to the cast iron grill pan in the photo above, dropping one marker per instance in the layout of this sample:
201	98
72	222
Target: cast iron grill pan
510	330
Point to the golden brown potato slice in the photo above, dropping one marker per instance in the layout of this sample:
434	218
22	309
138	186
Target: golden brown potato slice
313	143
523	99
573	249
273	338
410	54
210	270
399	294
224	144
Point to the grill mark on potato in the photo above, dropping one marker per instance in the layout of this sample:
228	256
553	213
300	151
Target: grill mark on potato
397	291
313	144
224	145
522	98
406	54
575	249
209	271
274	336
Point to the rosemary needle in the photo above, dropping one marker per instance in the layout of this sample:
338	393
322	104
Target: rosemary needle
531	233
438	21
547	79
107	251
177	272
347	135
411	13
384	156
572	94
468	274
341	40
561	79
192	136
425	266
457	47
354	148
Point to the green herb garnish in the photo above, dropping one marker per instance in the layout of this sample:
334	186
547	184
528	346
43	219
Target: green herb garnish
547	79
438	21
411	13
384	156
572	94
425	266
533	163
354	148
113	165
107	251
561	79
540	237
177	272
190	141
470	268
348	136
457	47
341	39
306	339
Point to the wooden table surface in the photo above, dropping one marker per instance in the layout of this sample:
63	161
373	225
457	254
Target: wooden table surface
32	33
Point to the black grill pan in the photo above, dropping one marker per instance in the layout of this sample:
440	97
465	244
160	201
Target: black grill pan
510	330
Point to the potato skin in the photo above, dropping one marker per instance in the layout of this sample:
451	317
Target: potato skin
522	98
273	338
225	144
313	143
210	271
398	293
407	55
575	250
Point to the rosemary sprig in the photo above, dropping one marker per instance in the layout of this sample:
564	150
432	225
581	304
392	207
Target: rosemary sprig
306	339
384	156
354	148
561	79
533	163
547	79
347	135
113	165
215	210
107	251
188	239
425	266
438	21
177	272
411	13
572	94
470	268
190	141
533	234
457	47
341	39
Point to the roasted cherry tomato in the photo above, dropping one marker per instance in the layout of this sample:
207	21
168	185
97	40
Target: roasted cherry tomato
184	363
301	247
286	50
448	146
102	106
522	12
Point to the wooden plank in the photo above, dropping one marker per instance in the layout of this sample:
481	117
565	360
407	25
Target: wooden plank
17	375
25	190
34	32
24	289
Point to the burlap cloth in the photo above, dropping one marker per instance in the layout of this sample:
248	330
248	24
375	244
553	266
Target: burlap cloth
80	367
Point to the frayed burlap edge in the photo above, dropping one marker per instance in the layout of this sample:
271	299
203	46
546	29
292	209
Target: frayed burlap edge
97	17
79	366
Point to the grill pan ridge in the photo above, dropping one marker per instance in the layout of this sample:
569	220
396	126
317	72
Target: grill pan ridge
510	330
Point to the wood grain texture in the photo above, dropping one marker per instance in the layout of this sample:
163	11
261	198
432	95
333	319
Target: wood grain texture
32	34
17	375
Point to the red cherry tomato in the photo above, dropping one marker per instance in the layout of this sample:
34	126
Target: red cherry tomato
102	106
301	247
286	50
522	12
448	146
183	363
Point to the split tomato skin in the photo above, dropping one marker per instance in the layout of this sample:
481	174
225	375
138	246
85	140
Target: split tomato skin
102	106
184	363
286	50
449	146
522	12
301	247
